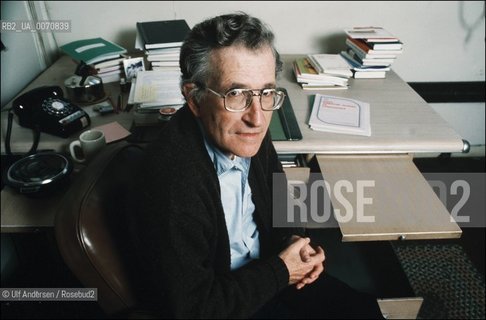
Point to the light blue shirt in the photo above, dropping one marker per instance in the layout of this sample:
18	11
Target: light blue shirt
237	204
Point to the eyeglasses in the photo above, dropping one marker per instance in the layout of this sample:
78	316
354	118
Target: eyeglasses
238	100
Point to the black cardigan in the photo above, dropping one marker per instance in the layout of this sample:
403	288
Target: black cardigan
181	239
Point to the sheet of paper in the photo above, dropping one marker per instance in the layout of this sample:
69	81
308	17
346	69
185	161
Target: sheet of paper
113	131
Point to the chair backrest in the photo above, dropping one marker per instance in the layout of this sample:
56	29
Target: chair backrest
90	226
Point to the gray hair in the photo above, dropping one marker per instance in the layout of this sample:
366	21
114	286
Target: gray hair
219	32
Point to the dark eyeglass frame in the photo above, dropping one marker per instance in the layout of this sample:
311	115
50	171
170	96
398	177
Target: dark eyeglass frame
249	98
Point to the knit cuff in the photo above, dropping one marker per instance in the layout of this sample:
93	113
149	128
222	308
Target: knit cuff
280	271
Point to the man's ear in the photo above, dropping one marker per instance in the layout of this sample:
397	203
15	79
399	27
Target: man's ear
191	101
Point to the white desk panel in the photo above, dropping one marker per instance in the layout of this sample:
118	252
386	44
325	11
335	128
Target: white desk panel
401	121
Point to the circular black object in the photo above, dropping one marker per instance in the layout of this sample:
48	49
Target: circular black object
40	173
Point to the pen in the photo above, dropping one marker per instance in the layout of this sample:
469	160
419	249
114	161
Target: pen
112	104
120	103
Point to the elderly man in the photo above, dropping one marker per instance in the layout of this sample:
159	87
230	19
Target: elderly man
203	225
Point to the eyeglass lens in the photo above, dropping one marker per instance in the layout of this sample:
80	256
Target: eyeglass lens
240	99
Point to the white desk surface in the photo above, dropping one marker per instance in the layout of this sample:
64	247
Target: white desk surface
401	121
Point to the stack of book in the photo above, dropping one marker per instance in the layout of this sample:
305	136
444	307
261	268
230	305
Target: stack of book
104	56
322	72
110	70
162	41
164	59
371	51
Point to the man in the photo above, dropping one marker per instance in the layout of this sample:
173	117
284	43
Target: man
203	226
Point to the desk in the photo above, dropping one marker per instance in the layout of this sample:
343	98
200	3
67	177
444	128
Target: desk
401	122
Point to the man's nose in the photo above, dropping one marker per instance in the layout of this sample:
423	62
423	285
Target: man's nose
254	114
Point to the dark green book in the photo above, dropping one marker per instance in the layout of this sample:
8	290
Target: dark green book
163	34
93	50
283	126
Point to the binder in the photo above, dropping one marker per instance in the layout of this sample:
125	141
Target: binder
283	125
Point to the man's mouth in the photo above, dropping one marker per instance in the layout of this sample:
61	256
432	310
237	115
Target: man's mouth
249	135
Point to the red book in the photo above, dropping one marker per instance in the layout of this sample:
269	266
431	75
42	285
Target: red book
364	51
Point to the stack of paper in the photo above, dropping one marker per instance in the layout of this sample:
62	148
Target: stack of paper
155	89
340	115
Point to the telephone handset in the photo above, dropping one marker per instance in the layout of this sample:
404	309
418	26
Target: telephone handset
46	110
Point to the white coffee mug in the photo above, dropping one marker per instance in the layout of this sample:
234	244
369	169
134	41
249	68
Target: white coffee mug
89	143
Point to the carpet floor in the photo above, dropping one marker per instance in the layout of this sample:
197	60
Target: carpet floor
444	276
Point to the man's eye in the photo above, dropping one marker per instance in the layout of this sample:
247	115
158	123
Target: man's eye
267	93
234	93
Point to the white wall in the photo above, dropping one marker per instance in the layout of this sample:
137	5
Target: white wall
444	40
22	61
459	115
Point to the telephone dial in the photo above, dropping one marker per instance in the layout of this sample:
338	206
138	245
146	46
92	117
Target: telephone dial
46	110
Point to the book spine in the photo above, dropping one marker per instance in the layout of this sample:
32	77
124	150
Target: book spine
385	46
363	55
368	52
142	33
315	64
361	45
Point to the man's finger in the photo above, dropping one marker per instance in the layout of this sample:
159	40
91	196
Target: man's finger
305	255
319	255
316	272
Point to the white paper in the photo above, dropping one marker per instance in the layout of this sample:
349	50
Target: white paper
340	115
338	112
156	87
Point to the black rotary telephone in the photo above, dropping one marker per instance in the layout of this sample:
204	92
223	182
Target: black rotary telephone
46	109
43	110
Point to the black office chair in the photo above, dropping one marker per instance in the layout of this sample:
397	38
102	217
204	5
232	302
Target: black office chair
91	232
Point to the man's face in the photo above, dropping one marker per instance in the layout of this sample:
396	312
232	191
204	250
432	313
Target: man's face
237	133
